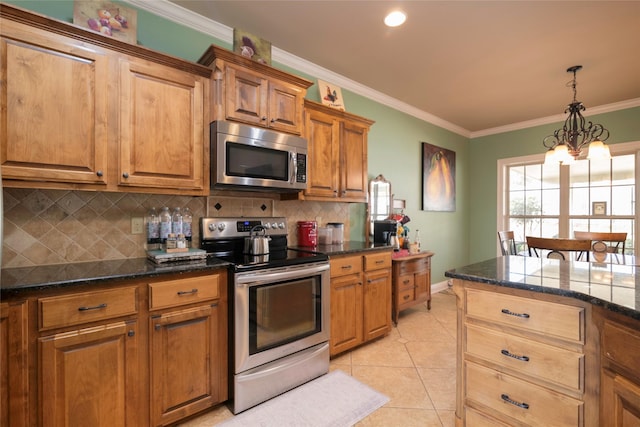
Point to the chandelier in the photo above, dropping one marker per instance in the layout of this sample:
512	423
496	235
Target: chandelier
566	144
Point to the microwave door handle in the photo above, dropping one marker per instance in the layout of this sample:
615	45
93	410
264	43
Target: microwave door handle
294	168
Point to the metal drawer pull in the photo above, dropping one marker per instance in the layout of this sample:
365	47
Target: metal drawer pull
406	297
406	281
380	261
95	307
511	313
515	356
345	267
192	291
522	405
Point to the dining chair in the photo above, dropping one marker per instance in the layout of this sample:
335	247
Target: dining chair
615	241
557	247
507	242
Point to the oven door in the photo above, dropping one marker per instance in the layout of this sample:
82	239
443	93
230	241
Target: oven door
278	312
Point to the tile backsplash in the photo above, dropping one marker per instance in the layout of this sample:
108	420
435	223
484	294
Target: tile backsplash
56	226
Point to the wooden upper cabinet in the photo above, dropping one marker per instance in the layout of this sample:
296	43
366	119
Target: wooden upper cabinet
337	154
53	107
83	111
247	91
161	126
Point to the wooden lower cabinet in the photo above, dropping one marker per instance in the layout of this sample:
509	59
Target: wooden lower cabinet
411	282
14	368
360	299
525	358
187	350
90	377
127	353
185	363
620	373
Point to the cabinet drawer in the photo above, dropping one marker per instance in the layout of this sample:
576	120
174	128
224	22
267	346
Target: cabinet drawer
406	296
478	419
538	360
415	265
524	401
184	291
377	260
406	281
547	318
346	265
621	345
58	312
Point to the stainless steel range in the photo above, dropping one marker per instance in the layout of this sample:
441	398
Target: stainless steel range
279	313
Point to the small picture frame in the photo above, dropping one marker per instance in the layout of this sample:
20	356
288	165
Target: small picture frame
331	95
107	18
598	208
251	46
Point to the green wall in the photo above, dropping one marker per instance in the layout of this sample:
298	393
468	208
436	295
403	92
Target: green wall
469	233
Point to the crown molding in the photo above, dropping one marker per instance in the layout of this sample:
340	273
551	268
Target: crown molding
607	108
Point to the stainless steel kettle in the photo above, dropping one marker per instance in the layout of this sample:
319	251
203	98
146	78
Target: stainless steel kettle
257	244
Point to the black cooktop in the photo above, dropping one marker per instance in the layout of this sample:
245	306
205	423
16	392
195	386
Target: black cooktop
275	259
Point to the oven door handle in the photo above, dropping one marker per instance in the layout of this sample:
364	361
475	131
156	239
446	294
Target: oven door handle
255	278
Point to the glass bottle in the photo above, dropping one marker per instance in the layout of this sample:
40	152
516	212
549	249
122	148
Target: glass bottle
187	225
416	240
153	230
176	221
165	224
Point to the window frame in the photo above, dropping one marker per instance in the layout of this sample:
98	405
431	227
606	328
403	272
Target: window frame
564	216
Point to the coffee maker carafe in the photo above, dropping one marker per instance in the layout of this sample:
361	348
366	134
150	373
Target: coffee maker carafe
392	240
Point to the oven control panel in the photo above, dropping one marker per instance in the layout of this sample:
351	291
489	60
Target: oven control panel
226	228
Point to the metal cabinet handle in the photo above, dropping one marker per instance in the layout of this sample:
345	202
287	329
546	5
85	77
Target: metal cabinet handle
264	118
515	356
511	313
125	175
406	281
522	405
346	267
406	297
95	307
192	291
99	173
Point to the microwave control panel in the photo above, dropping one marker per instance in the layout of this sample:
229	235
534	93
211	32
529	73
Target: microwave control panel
301	163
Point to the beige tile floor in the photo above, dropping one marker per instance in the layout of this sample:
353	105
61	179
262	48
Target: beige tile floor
414	365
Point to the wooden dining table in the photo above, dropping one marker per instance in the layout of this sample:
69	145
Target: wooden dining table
594	256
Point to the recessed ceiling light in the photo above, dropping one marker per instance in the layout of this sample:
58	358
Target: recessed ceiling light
395	19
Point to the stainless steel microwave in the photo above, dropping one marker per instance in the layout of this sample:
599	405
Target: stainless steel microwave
256	158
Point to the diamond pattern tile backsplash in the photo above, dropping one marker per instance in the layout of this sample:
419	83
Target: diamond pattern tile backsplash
55	226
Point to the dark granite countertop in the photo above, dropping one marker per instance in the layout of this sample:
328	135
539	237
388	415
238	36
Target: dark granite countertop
22	279
347	247
615	287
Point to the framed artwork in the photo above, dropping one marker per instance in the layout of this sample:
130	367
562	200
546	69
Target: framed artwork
438	178
330	95
108	18
598	208
252	47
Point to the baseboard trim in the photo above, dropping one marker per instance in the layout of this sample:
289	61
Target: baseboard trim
440	286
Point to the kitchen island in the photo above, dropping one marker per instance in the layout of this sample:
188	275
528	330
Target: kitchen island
547	342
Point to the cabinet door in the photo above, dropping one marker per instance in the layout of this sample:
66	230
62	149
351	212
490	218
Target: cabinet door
346	313
185	363
353	163
14	369
246	97
91	377
377	303
422	281
53	115
285	107
620	401
323	135
161	127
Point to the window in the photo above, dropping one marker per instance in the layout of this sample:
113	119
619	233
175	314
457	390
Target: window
552	200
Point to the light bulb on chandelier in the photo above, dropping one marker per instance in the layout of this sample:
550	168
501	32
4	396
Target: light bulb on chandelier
566	144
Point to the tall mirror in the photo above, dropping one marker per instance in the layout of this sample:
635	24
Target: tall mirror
380	202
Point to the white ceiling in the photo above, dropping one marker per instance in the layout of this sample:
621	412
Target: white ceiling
476	65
